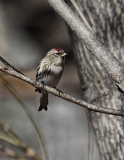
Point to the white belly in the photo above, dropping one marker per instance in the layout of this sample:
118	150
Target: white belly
52	79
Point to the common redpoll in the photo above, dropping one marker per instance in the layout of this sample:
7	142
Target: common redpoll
49	72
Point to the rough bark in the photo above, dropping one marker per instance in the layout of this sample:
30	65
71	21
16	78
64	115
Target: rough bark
106	17
100	52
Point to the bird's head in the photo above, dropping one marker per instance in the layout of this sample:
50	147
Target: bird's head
57	52
56	55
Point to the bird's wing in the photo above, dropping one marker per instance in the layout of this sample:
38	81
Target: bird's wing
42	70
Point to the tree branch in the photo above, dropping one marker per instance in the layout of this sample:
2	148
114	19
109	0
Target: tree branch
81	14
14	72
100	52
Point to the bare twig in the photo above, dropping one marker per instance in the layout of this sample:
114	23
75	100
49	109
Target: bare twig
10	137
81	14
12	154
16	95
53	91
9	65
100	52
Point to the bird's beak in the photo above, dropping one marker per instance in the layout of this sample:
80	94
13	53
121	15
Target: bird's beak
63	54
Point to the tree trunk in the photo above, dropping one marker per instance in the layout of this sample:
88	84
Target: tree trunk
106	18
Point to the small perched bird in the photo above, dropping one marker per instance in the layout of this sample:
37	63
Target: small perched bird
49	72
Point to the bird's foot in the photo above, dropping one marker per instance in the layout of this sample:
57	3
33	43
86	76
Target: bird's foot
58	90
37	90
43	84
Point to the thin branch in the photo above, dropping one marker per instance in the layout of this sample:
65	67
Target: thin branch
53	91
10	137
12	154
100	52
81	14
40	136
9	65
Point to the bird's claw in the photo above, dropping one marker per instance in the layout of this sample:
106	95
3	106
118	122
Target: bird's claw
58	90
43	84
37	90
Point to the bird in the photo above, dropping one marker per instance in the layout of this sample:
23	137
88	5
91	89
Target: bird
49	72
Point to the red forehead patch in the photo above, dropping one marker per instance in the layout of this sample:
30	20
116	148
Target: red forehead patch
58	49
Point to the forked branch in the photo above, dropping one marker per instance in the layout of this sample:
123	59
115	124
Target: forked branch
14	72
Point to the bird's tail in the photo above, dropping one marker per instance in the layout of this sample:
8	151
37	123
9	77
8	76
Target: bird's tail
43	101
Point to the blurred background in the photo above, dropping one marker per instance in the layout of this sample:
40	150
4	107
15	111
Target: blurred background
28	30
